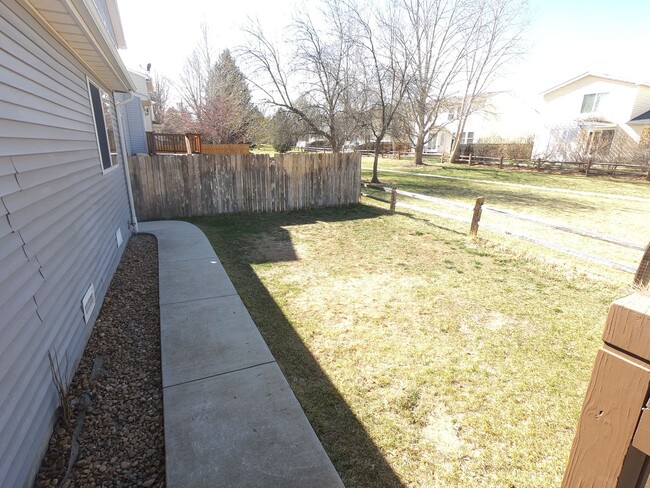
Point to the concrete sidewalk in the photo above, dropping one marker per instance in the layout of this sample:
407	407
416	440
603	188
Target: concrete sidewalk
231	418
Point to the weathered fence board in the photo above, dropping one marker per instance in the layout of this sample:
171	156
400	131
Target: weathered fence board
225	148
198	185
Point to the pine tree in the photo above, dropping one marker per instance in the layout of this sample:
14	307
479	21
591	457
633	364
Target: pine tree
228	112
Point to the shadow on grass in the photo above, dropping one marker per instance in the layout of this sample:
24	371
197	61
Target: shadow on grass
350	447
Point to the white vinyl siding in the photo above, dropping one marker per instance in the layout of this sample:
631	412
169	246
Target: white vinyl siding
58	217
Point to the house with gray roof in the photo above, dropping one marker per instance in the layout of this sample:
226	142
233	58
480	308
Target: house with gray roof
64	204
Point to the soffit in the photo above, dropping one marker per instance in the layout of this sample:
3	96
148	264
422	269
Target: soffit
78	26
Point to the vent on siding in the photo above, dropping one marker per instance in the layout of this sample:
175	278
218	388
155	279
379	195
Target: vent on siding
118	237
88	302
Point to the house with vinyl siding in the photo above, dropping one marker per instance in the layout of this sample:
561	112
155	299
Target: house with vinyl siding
65	211
135	112
594	116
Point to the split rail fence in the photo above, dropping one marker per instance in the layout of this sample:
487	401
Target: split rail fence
642	272
200	185
586	167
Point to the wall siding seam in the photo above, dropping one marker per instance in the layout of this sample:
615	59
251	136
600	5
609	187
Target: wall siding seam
59	218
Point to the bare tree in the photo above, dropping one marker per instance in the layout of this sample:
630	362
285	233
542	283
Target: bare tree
492	39
178	119
160	97
193	84
317	82
385	64
437	29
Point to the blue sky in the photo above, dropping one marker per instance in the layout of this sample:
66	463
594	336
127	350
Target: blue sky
565	37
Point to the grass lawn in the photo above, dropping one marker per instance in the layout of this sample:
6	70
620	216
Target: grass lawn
620	218
421	358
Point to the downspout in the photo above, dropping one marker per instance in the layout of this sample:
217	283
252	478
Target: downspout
127	173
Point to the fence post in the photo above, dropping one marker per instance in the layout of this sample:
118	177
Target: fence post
469	160
393	198
642	276
648	176
588	167
501	163
539	164
476	218
612	438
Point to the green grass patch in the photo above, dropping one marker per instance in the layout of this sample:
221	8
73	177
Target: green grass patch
601	184
619	218
421	358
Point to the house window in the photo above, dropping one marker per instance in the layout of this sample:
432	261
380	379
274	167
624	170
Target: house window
600	142
591	102
467	138
101	107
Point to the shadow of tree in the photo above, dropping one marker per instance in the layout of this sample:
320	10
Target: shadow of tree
356	457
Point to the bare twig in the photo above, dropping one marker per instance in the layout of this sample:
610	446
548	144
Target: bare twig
61	383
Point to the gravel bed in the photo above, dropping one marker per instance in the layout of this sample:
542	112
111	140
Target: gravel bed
121	442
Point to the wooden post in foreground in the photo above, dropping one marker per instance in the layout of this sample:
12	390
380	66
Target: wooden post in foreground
642	276
588	167
501	163
473	230
393	198
469	160
612	441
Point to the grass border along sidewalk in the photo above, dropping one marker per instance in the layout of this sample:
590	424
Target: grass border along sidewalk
421	358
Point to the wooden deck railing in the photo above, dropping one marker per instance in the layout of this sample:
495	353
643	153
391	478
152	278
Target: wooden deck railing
161	143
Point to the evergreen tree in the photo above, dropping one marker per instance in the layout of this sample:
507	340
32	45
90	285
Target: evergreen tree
228	114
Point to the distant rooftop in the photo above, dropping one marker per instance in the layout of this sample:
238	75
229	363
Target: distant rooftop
644	118
596	75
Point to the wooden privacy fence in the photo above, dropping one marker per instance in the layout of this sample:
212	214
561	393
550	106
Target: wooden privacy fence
225	149
198	185
159	142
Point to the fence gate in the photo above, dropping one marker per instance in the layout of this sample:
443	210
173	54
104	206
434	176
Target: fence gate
612	443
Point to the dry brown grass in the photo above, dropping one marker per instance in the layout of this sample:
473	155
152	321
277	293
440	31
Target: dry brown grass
420	357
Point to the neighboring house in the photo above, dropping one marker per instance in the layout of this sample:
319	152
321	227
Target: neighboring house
65	211
498	117
136	113
593	115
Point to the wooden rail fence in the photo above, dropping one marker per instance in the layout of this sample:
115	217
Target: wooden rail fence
199	185
588	168
642	272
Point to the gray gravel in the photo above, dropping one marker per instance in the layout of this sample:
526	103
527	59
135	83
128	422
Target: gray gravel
121	443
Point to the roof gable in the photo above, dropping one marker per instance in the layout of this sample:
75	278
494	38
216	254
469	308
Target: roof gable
588	74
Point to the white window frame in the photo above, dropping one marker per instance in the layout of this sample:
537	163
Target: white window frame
113	156
464	139
595	105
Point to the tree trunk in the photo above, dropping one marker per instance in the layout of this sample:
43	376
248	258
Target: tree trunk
455	152
419	149
375	165
455	147
335	145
